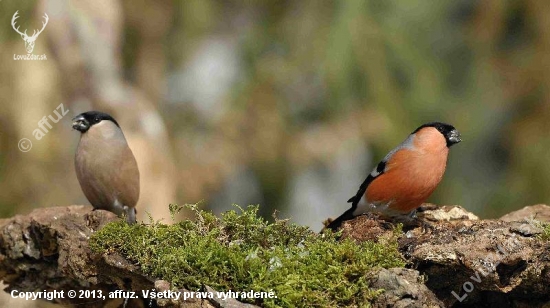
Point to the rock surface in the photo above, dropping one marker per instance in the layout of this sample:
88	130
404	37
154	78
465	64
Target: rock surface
48	250
403	288
455	259
540	212
469	262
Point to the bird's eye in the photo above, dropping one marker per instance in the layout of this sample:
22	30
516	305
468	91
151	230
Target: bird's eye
97	119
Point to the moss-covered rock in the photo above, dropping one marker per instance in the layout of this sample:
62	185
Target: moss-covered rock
242	252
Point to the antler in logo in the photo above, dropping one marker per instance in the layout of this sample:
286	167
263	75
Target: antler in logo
29	40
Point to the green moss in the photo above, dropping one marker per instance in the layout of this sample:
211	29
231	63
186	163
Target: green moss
546	232
242	252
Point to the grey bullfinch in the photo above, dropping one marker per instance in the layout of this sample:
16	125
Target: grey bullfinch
105	166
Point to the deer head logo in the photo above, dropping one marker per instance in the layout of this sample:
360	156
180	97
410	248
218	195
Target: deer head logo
29	40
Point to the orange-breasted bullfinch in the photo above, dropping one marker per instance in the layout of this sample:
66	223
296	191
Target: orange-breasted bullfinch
105	166
406	177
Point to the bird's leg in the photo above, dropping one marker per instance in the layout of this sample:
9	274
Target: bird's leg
130	214
424	224
411	221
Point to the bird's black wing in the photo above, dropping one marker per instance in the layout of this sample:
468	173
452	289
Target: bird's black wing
335	224
373	175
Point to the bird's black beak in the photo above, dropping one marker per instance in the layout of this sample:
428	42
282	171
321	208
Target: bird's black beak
80	124
453	137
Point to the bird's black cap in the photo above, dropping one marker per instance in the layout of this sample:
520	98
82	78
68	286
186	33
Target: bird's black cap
84	121
452	136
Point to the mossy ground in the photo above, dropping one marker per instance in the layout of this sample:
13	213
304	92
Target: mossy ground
243	252
546	232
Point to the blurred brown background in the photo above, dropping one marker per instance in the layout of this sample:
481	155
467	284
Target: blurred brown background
286	104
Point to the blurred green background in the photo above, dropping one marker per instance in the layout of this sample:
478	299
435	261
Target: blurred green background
286	104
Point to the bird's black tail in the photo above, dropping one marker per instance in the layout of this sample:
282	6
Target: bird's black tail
337	223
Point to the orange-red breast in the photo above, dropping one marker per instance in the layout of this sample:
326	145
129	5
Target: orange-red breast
407	176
